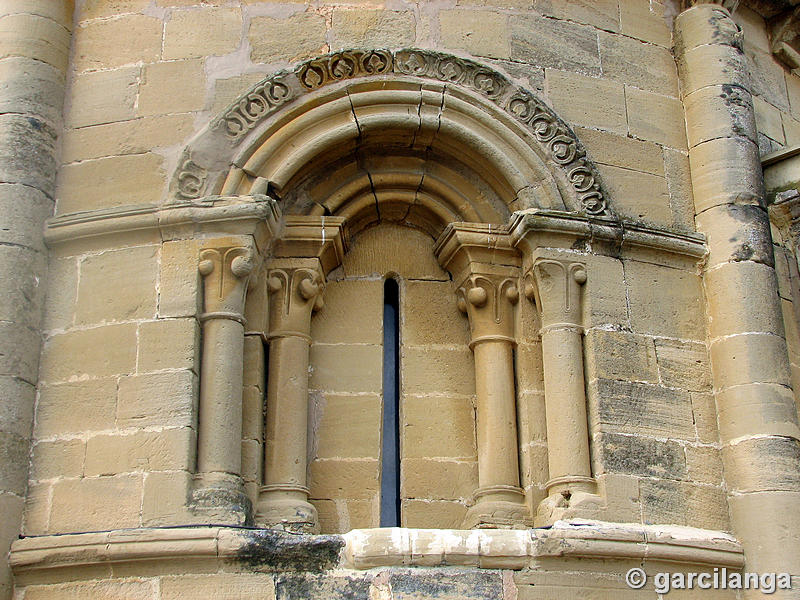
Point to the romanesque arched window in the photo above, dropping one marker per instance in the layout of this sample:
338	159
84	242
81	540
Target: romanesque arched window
406	166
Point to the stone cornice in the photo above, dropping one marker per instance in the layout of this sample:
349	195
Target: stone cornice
214	215
533	228
323	238
368	548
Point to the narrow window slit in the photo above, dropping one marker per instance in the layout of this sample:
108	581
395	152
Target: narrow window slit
390	455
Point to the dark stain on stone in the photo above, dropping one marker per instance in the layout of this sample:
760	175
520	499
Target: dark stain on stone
743	252
467	585
579	245
35	123
733	95
307	587
266	549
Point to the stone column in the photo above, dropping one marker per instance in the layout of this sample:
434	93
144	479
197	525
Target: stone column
756	413
485	269
225	266
554	282
308	250
35	53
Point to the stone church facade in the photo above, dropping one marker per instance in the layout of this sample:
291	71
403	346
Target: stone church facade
397	300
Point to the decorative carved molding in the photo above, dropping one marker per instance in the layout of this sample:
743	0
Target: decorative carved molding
557	292
225	272
347	64
557	141
489	300
294	294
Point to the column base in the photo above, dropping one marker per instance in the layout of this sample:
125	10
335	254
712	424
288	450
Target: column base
564	505
286	508
498	507
220	499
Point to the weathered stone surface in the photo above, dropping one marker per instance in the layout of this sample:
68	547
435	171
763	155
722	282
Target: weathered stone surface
96	503
297	587
20	355
22	302
555	44
638	408
200	33
645	21
117	286
33	87
461	584
632	62
438	479
438	427
165	497
136	38
113	181
413	257
655	118
581	100
337	322
102	351
14	458
172	87
102	97
738	234
643	456
346	368
16	416
433	513
683	365
704	464
23	210
349	426
167	450
626	187
679	183
620	355
603	14
331	478
234	586
750	457
135	136
665	301
27	154
619	151
436	369
59	458
679	503
431	314
179	283
373	28
299	36
481	33
76	407
141	400
34	36
102	590
168	344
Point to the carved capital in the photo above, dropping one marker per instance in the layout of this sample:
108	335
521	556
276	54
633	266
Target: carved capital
226	269
295	290
555	285
489	300
485	269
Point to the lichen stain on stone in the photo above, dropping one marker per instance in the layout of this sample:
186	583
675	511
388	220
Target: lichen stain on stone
305	587
461	584
279	551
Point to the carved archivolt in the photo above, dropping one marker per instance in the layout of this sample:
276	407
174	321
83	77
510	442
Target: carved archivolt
545	134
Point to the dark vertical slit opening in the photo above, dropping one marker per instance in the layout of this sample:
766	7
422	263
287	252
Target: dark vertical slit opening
390	455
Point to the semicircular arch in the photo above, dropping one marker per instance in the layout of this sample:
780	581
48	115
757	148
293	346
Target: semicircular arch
409	135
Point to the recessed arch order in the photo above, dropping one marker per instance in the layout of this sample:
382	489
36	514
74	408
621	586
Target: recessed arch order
411	136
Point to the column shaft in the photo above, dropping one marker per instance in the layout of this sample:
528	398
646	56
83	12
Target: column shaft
498	461
219	449
749	360
565	405
287	412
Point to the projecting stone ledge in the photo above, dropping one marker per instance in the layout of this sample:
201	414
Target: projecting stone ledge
235	549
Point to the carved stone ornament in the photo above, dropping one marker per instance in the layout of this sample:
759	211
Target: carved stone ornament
558	143
225	273
489	302
294	294
557	292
